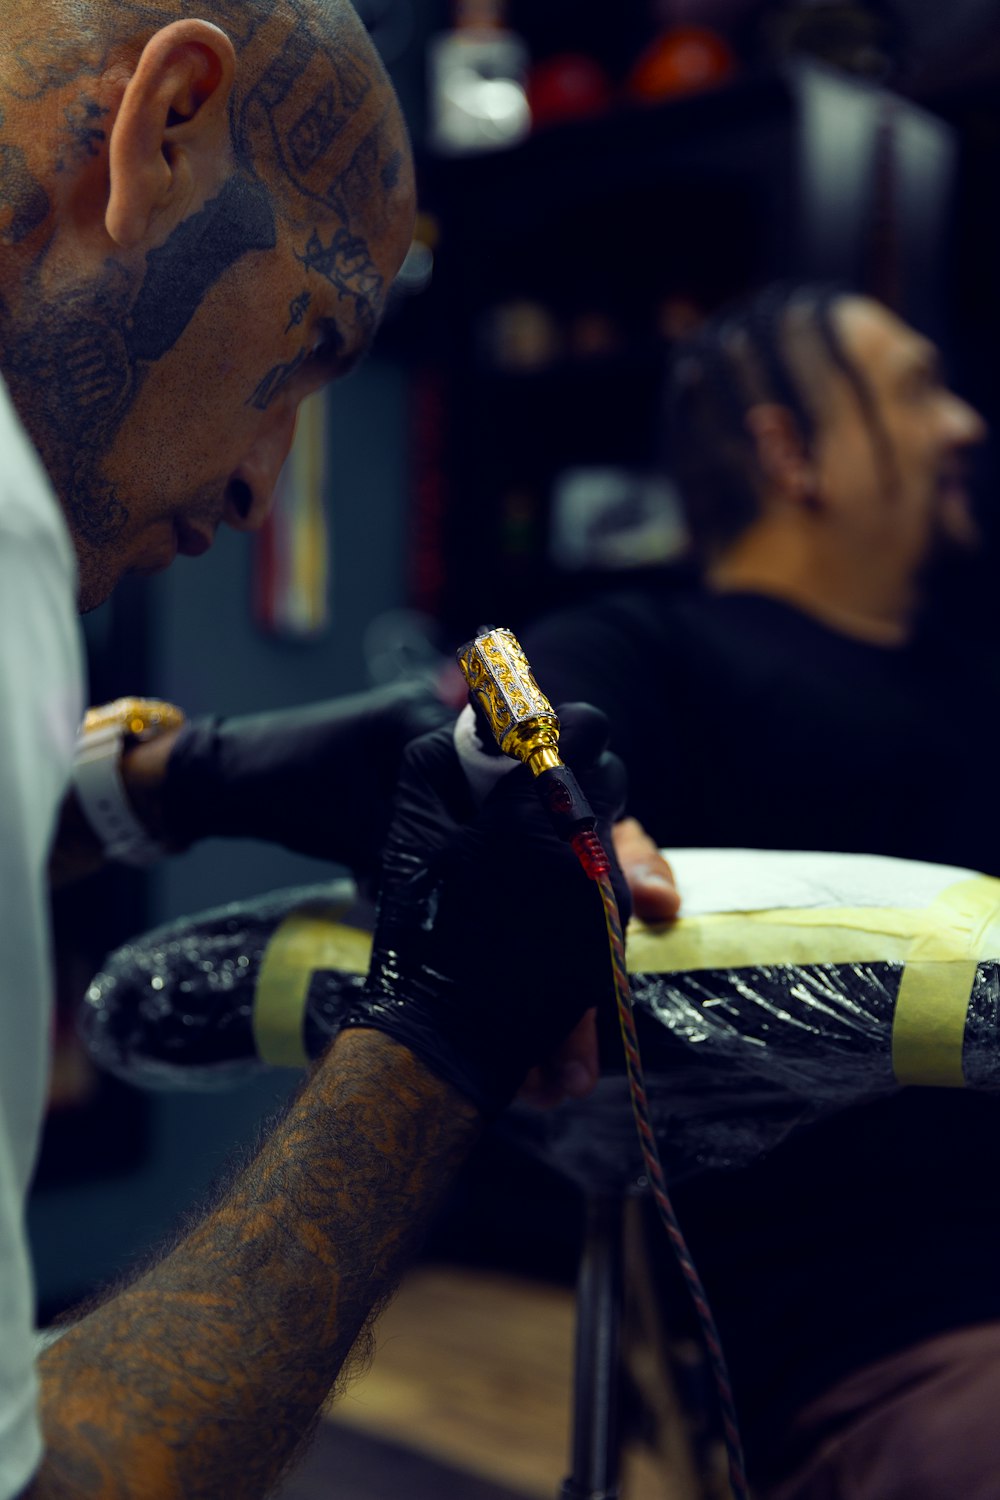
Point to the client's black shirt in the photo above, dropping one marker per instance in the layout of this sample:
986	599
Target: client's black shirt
745	723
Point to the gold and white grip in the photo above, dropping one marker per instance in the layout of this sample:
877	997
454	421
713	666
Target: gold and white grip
523	721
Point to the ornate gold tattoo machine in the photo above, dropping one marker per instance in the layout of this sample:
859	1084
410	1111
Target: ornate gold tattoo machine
522	721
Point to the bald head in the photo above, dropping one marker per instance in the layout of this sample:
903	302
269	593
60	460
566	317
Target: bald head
201	212
312	113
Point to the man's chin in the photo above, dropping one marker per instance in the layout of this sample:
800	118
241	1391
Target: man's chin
99	578
950	579
95	587
87	602
958	533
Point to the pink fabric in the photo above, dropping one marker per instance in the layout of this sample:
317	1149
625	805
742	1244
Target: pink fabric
921	1425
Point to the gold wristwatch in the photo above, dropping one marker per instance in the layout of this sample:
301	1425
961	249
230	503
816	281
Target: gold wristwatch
97	780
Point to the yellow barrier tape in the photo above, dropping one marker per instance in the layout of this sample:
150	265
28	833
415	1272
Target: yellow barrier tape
928	1031
940	946
754	939
309	938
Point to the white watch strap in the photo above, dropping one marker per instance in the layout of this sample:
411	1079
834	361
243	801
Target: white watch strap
101	792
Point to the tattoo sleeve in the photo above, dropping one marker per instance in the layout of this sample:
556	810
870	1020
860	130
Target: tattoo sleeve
214	1363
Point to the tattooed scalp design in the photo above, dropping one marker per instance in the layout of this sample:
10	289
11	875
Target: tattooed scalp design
347	265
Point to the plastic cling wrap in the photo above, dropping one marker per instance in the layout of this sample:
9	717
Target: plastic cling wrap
180	1007
794	985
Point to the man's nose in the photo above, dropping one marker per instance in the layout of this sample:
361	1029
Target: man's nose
250	491
968	425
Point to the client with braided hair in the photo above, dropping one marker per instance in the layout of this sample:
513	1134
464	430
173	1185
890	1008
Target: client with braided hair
793	696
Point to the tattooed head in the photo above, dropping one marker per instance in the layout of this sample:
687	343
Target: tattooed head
201	210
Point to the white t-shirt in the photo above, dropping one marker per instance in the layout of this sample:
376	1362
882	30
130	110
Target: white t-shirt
41	703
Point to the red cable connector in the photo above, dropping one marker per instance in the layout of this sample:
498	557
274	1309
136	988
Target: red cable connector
591	853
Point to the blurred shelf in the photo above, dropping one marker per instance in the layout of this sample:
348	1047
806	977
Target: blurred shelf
629	149
634	364
797	172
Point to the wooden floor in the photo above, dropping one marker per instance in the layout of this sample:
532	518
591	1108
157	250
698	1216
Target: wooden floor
474	1371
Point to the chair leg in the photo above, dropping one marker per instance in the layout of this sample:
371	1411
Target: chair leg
596	1444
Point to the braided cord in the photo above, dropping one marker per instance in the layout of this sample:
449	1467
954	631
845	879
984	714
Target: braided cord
598	868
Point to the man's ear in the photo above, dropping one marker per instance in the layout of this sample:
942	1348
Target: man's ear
172	124
784	458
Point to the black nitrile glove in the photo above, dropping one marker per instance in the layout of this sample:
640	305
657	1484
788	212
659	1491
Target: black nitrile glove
319	780
490	942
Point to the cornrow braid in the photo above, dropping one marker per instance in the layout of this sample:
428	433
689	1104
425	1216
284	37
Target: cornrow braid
834	350
742	357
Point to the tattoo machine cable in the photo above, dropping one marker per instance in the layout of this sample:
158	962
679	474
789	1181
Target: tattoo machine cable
525	727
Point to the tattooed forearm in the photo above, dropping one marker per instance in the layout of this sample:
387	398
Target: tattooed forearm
215	1362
